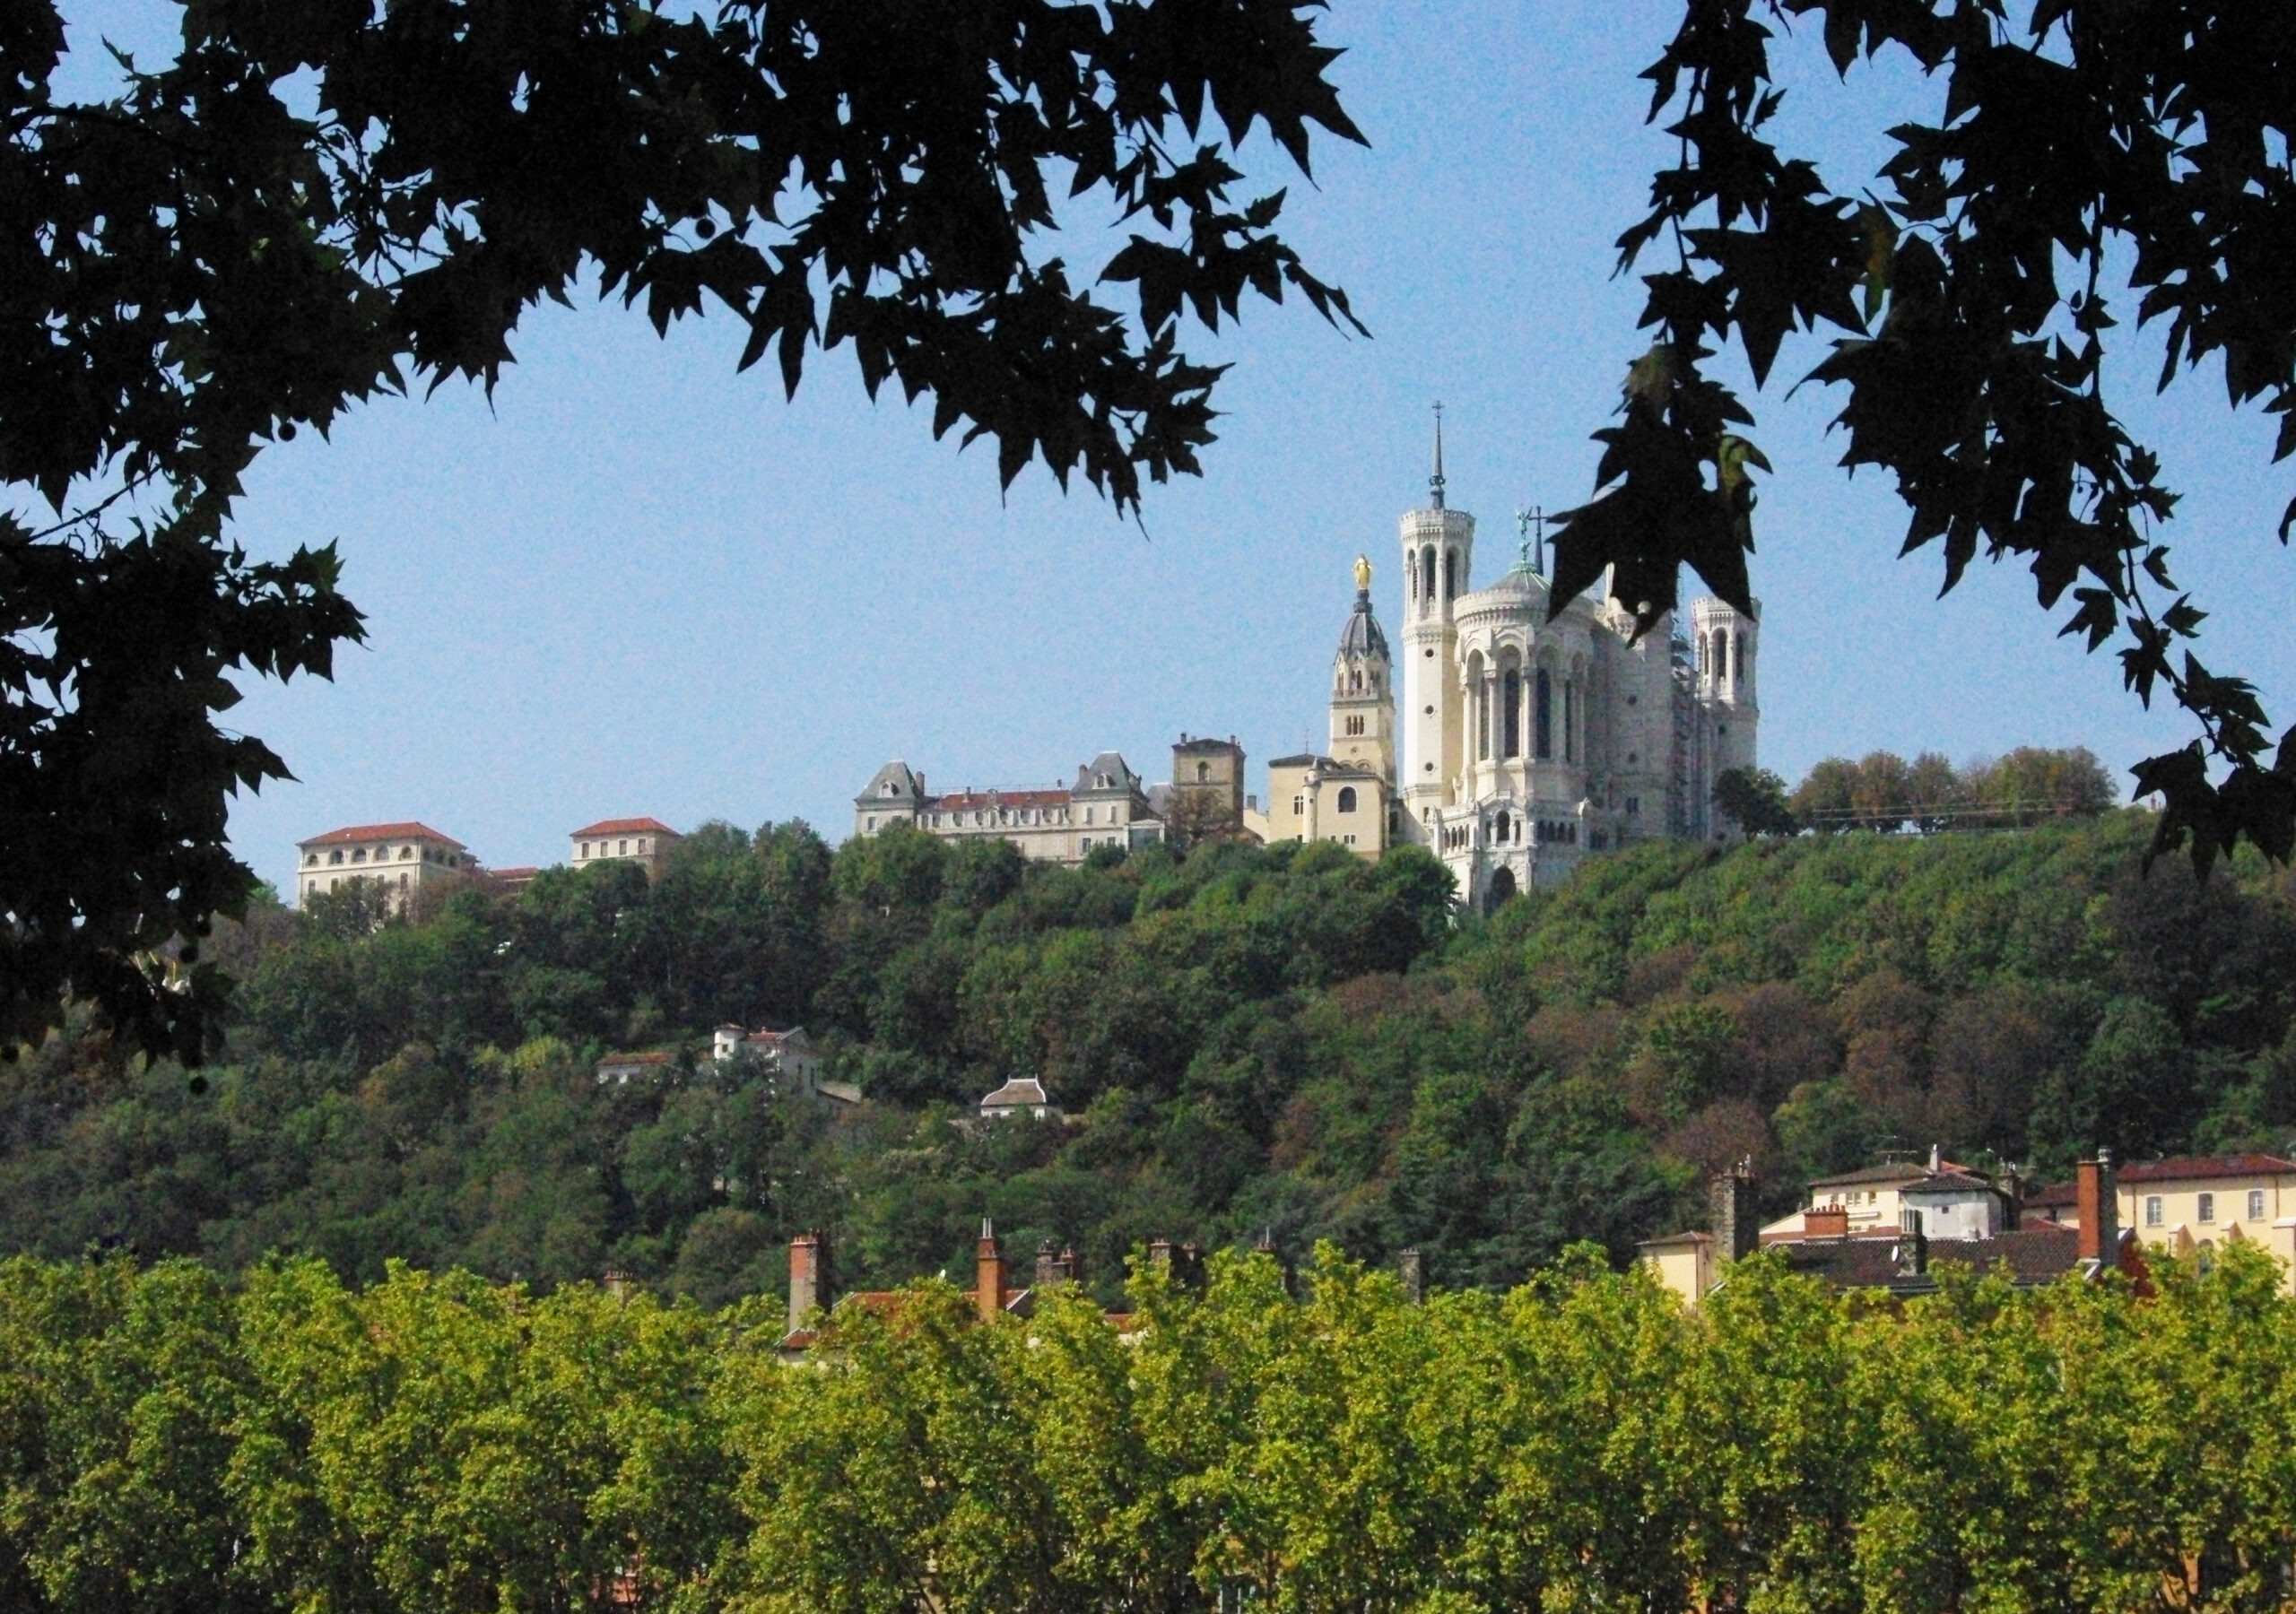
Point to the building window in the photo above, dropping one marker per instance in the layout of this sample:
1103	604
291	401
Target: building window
1299	806
404	853
1085	842
1450	574
1202	772
1542	717
872	826
1347	798
2152	1210
310	860
1427	566
1634	804
2255	1204
621	848
2207	1207
1510	722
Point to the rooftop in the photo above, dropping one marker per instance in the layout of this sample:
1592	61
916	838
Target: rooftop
632	826
2189	1167
408	830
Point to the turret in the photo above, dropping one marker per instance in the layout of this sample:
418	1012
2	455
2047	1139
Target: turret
1438	553
1724	648
1363	695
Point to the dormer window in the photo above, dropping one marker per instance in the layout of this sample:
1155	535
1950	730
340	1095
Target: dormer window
889	788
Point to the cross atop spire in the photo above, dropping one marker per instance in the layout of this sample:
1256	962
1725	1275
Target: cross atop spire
1534	549
1435	482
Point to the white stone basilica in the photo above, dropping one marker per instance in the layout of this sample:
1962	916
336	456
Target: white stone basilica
1528	744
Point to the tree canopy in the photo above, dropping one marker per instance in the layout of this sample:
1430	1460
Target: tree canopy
1968	279
313	205
1286	1039
1299	1441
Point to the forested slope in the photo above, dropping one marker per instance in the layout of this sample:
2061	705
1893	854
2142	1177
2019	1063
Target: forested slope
1282	1039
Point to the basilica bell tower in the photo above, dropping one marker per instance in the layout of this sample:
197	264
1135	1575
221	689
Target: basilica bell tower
1438	551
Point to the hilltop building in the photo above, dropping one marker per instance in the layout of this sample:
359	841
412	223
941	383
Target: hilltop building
1107	806
644	841
1346	793
1528	742
402	858
1523	744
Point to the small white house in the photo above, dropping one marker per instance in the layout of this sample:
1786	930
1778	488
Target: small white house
1021	1094
784	1054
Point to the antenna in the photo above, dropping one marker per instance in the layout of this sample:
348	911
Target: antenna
1435	482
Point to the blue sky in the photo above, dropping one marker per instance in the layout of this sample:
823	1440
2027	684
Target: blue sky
637	583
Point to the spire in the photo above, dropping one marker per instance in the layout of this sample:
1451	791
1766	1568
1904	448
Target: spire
1533	548
1435	482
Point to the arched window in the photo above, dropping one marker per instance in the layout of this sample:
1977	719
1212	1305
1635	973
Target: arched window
1427	573
1450	574
1543	716
1720	662
1569	720
1738	660
1347	798
1510	721
1202	772
1502	827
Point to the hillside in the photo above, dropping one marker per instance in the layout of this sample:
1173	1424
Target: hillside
1283	1039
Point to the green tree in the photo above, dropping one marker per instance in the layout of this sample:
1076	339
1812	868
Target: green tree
301	211
2076	151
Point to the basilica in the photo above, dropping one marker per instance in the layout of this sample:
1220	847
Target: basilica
1510	745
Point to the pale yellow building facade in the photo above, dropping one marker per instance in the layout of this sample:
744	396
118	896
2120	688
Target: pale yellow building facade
644	841
1346	793
402	858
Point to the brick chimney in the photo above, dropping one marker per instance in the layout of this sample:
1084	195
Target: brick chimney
1736	1232
808	1276
1412	1269
988	1273
2099	1207
1826	1221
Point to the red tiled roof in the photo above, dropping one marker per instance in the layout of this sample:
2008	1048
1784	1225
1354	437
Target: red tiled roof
381	832
965	800
2178	1168
637	826
518	873
2047	1195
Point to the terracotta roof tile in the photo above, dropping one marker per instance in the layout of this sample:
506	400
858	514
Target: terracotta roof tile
637	826
408	830
966	801
2179	1168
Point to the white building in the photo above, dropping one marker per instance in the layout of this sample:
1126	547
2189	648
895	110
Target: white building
1528	744
1107	806
784	1054
401	858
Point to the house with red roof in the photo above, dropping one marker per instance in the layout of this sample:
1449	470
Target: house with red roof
644	841
402	858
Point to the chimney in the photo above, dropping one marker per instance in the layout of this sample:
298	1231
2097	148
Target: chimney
2013	1199
1912	1249
1411	1269
1735	1230
808	1276
1054	1269
1159	1256
2099	1210
1826	1221
988	1273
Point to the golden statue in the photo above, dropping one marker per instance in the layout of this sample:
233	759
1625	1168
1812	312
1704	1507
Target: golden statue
1362	574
